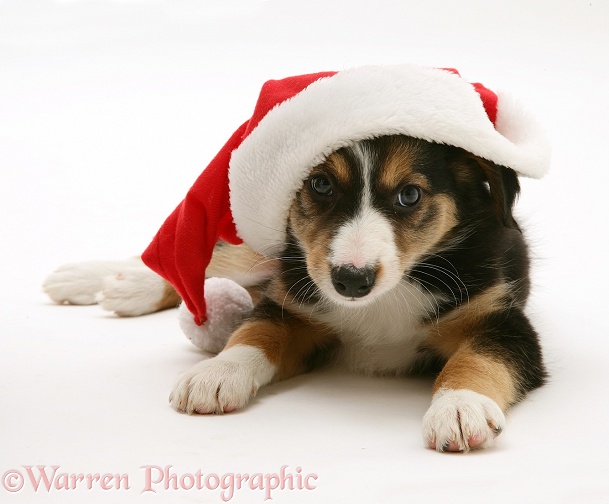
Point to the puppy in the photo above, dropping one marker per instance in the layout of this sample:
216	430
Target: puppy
402	256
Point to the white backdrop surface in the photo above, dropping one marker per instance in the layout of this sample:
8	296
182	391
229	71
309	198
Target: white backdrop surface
108	112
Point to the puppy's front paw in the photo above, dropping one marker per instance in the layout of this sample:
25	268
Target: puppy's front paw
213	386
460	420
223	383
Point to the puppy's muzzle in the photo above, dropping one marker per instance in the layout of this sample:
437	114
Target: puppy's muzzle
353	282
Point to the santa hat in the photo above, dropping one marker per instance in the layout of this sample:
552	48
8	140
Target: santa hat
245	193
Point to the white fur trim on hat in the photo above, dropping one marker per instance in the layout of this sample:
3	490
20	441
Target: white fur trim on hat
516	124
269	166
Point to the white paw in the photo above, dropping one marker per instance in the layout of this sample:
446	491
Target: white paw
80	283
222	384
460	420
132	292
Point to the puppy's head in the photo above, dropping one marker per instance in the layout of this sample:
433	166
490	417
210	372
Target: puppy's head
367	215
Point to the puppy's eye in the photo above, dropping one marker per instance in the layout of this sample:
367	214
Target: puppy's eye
409	196
321	185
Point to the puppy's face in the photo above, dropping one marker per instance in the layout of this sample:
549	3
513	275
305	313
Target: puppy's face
370	212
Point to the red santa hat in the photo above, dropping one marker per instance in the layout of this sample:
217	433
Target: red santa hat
244	194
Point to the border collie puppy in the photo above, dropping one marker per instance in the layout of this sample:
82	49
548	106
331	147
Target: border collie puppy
402	256
374	208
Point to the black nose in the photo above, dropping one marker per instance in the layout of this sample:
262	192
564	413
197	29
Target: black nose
353	282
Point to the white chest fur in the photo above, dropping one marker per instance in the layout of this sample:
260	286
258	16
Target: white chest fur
383	335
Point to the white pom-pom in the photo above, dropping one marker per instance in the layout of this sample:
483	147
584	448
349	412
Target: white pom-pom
228	305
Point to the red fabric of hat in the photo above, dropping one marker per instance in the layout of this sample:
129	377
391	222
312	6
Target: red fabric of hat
183	246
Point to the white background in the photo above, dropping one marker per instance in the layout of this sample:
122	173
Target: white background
108	112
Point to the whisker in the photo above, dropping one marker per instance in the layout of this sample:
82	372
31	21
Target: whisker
282	231
288	292
452	277
408	287
305	286
306	293
406	303
274	246
295	268
440	280
443	258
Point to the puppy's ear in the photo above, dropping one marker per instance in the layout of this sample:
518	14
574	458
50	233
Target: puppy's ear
504	188
502	185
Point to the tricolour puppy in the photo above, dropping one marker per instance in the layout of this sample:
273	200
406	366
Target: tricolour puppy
401	256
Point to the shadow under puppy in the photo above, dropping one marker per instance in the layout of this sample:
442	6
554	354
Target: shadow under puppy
377	204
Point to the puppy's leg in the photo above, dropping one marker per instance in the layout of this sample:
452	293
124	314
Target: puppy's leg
129	288
241	264
271	346
126	287
489	372
80	283
470	395
136	291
